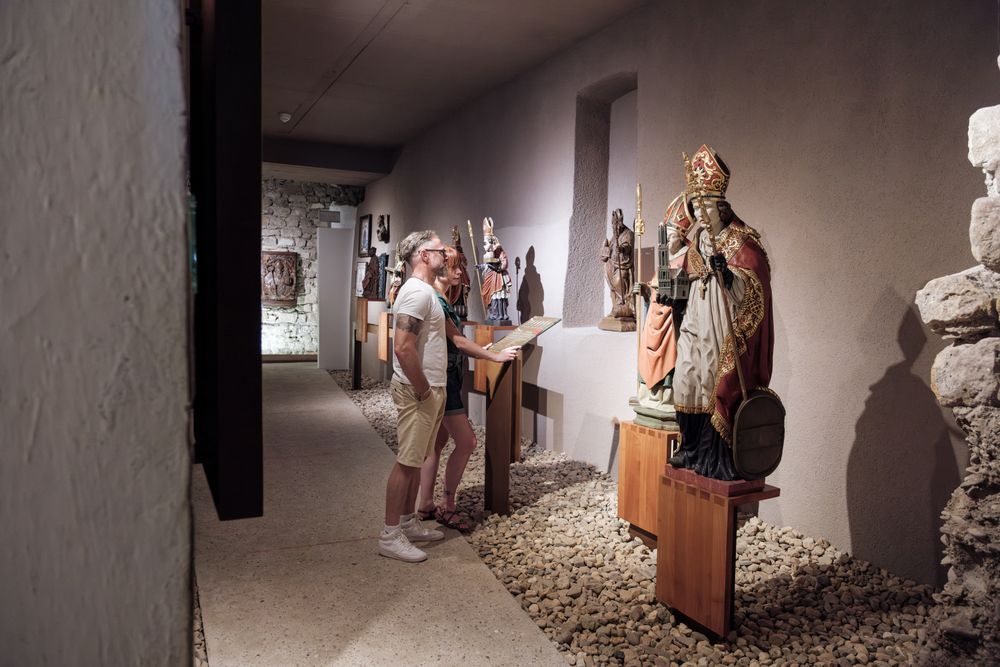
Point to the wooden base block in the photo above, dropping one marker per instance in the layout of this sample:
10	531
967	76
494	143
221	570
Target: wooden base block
717	486
642	453
696	545
609	323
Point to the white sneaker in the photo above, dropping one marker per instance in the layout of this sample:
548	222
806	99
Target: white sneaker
395	545
415	532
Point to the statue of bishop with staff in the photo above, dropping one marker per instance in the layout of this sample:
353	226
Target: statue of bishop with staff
617	257
728	271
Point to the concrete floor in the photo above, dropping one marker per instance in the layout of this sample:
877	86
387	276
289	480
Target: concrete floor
303	585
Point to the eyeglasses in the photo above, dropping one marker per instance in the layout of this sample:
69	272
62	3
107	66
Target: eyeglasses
444	253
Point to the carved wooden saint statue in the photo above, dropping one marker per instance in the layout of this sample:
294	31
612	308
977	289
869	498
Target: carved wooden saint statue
617	257
726	263
277	278
369	285
398	273
496	280
458	295
654	404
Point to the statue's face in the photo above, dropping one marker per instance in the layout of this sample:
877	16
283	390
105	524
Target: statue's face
706	211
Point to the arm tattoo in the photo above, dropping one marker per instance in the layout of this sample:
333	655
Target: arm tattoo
409	323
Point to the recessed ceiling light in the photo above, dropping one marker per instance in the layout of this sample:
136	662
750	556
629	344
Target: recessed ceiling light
284	116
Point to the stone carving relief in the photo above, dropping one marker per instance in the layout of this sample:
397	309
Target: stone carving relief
277	278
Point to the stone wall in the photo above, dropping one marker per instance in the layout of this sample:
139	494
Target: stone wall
290	214
966	377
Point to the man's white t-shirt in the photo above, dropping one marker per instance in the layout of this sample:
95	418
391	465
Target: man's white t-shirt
418	299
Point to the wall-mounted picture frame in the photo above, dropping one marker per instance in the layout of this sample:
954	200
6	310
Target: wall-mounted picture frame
365	237
359	277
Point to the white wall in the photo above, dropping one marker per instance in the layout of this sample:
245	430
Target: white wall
845	130
94	463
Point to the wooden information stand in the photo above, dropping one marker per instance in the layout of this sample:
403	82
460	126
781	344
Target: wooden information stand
483	334
503	431
642	453
696	544
502	385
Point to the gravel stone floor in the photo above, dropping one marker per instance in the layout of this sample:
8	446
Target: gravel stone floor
570	562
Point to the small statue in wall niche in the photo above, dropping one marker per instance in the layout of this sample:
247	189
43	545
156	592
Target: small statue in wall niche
369	286
496	280
382	231
398	272
458	295
617	257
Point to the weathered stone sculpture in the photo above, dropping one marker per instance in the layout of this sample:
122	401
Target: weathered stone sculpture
965	624
496	280
707	385
458	295
617	257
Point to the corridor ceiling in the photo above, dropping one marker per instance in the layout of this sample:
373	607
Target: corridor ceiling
375	73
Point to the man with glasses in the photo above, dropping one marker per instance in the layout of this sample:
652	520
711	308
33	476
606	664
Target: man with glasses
418	390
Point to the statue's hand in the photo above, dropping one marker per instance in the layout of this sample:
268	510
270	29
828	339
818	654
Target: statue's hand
664	299
719	264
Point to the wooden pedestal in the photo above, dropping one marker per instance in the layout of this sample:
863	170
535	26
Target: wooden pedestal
642	453
385	337
503	431
696	544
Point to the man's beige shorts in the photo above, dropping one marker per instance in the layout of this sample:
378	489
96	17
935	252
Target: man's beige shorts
418	422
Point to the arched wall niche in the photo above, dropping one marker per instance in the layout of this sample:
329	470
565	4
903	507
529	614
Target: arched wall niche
583	293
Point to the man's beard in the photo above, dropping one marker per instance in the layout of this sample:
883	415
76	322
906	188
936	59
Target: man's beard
441	271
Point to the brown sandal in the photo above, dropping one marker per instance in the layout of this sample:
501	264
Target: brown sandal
452	519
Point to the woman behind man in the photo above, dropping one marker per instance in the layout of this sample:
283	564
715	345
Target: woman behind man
455	422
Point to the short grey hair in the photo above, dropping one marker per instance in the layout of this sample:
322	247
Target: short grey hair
411	244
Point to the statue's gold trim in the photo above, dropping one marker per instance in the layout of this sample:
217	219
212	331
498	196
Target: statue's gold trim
748	318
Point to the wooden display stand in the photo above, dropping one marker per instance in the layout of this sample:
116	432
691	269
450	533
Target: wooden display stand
503	430
385	336
642	453
484	335
696	555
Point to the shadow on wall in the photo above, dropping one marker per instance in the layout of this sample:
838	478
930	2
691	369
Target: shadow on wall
530	293
545	405
902	467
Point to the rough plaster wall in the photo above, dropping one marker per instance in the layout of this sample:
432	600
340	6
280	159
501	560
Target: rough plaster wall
844	129
94	463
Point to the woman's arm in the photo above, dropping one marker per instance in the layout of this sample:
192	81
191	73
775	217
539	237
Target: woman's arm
466	346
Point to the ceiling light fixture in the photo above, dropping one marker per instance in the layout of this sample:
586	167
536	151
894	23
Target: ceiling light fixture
284	116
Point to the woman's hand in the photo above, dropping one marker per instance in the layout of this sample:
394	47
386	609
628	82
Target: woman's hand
507	354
